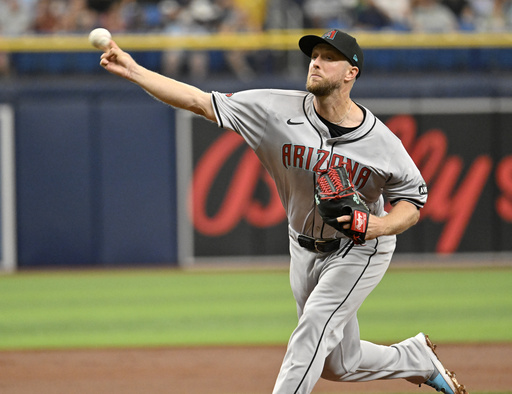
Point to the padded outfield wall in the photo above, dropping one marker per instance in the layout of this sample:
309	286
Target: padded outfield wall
462	146
99	162
97	167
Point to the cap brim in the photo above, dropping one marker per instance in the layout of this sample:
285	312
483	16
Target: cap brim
307	43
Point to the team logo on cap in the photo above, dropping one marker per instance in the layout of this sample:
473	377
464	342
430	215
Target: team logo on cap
355	58
330	35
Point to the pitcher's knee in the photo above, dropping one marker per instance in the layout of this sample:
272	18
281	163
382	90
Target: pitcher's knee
328	374
343	361
337	372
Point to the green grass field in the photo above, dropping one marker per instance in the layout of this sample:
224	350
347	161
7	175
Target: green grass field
170	307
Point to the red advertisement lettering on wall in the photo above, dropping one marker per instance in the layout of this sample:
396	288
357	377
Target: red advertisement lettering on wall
504	182
238	202
455	186
452	196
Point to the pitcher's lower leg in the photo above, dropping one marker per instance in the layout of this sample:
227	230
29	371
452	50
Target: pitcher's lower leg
406	360
304	359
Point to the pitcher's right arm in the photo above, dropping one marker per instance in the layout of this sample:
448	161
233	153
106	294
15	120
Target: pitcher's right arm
167	90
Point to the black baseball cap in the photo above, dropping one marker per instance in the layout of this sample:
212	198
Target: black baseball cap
342	41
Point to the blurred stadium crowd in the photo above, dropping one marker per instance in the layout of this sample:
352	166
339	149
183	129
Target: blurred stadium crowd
19	17
181	17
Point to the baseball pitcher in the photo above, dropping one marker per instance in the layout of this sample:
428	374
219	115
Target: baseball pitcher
334	164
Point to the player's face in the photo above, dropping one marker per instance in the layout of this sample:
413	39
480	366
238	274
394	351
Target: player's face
327	69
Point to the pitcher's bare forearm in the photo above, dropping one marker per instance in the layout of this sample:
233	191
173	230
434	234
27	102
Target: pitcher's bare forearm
174	93
401	217
167	90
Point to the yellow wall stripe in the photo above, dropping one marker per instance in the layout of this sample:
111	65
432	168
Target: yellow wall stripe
269	40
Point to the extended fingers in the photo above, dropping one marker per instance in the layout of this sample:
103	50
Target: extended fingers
111	49
105	60
109	56
345	219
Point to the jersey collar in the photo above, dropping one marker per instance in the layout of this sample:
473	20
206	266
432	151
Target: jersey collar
355	135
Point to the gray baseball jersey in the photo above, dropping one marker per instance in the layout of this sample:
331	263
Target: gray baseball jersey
293	143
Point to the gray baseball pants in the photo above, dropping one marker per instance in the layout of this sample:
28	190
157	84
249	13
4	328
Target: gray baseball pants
329	290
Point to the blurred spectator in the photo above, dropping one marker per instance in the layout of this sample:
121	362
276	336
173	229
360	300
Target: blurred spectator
141	16
203	17
508	13
482	7
49	14
78	17
15	19
433	17
371	17
234	19
134	16
325	14
467	19
112	18
463	12
197	17
398	11
192	17
489	15
456	6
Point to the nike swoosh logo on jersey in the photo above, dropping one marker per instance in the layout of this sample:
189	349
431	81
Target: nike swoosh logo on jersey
289	121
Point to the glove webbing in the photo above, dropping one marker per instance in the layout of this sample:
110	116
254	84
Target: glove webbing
337	188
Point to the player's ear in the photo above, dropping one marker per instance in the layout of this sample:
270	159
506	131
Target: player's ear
352	73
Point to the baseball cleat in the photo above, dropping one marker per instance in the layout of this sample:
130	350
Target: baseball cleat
442	380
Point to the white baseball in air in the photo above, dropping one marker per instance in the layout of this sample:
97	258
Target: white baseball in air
100	38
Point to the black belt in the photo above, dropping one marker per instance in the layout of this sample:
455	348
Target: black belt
320	245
